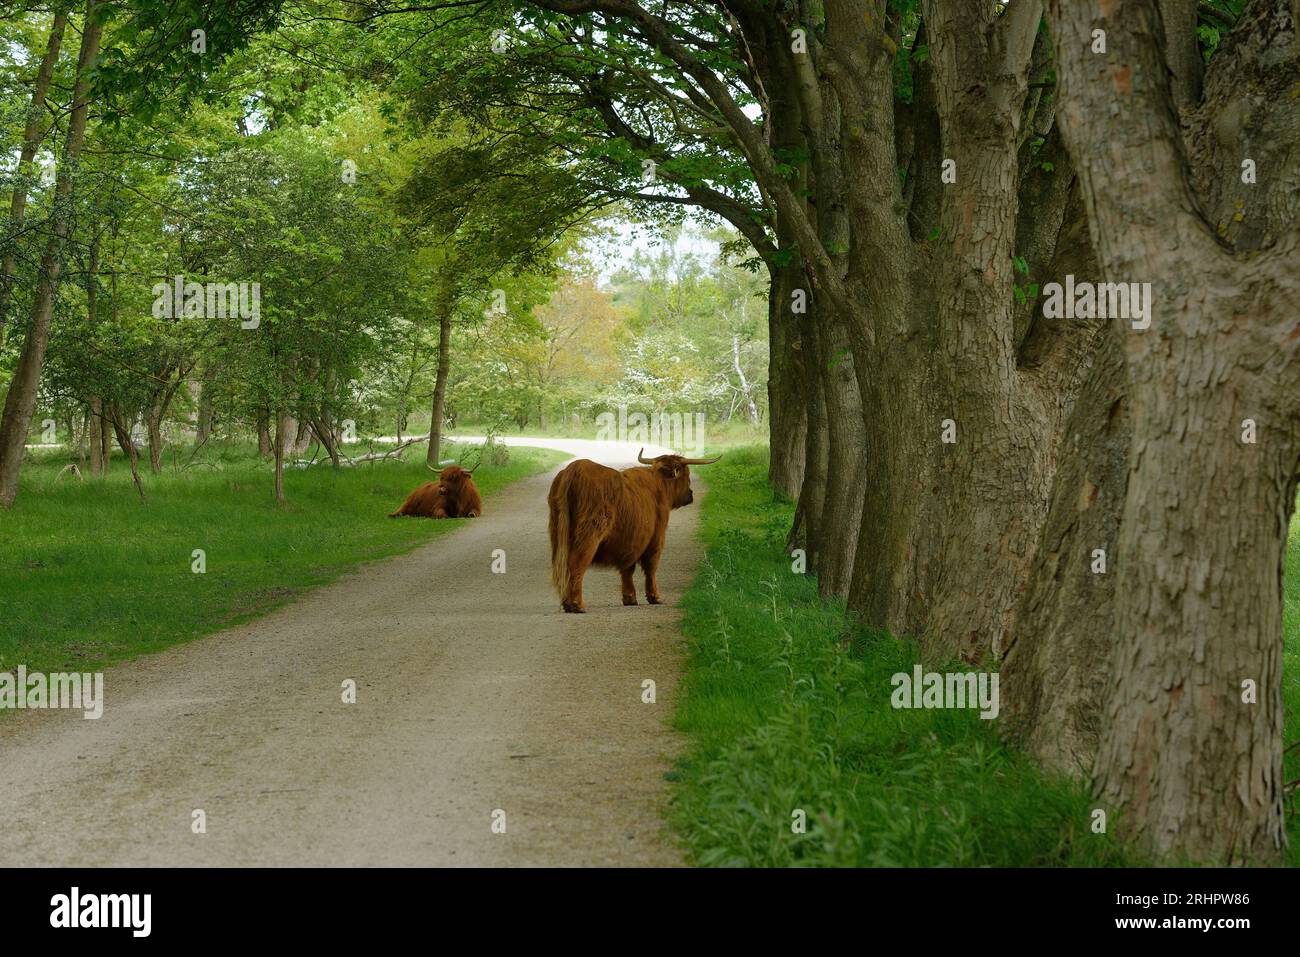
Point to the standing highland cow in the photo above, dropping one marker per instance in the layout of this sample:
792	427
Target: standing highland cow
600	516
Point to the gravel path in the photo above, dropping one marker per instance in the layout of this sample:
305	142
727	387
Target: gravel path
475	695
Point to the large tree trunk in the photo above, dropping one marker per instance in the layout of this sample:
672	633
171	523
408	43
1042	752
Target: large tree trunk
787	394
1192	758
961	437
20	402
1057	665
841	513
1190	740
1052	685
947	529
834	362
805	531
32	138
828	504
440	388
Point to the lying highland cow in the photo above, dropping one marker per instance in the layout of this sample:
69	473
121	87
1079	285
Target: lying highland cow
452	496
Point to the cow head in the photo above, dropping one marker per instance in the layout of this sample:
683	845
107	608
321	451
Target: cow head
675	472
453	479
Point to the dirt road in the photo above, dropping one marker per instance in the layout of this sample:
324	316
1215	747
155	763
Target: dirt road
475	696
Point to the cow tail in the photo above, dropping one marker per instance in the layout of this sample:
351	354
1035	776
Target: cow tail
559	529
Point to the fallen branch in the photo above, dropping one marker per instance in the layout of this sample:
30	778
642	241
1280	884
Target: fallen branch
369	457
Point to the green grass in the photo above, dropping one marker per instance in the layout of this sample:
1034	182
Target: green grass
786	707
89	575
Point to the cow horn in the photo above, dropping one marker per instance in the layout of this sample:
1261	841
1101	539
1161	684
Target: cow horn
640	457
701	461
476	465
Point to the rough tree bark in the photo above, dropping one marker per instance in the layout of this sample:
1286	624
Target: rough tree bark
805	531
787	395
802	119
951	524
845	432
1052	685
1188	754
1054	674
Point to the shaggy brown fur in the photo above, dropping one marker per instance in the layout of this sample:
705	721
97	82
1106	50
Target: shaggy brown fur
600	516
452	496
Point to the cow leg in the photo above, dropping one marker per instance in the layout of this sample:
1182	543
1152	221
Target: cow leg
650	565
629	587
579	562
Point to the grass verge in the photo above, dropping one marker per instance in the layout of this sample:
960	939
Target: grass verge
90	575
787	708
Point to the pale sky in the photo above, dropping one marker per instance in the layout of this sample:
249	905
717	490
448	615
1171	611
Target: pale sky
609	257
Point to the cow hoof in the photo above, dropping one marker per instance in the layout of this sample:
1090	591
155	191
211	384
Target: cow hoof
629	601
573	609
654	599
